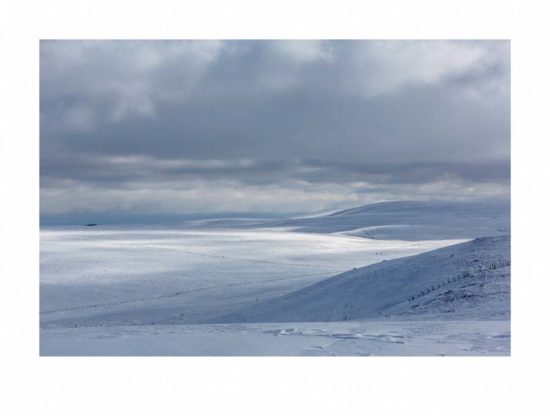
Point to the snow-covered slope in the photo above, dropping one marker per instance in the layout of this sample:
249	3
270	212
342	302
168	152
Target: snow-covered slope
129	275
410	220
463	281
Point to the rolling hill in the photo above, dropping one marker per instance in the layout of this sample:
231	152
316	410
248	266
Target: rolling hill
410	220
464	281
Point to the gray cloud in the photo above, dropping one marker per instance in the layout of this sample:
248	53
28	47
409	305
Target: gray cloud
211	126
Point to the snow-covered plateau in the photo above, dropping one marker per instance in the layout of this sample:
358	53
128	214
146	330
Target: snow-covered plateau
393	278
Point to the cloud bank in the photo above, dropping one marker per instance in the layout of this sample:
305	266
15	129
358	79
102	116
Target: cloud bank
179	127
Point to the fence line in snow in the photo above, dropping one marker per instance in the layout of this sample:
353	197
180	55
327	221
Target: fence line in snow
461	276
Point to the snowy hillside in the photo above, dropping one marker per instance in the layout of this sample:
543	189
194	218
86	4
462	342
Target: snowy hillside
392	278
110	275
464	281
411	220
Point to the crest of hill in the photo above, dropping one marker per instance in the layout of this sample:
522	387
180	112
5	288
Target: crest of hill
410	220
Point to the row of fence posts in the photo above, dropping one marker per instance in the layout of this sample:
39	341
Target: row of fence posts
462	275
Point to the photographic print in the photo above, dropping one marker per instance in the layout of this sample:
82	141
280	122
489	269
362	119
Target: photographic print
275	197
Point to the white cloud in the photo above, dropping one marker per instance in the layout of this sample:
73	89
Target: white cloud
114	79
214	196
189	196
383	67
302	51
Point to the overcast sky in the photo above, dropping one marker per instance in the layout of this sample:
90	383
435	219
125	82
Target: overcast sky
187	127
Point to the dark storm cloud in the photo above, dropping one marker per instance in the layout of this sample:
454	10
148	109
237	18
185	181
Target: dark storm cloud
318	123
